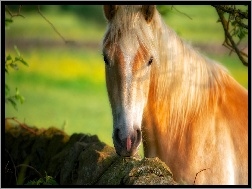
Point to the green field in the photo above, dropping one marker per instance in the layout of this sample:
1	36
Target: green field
64	85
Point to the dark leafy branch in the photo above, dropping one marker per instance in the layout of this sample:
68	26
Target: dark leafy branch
235	28
13	62
229	9
18	13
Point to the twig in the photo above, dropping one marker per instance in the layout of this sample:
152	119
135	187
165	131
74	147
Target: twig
13	164
39	11
242	24
13	15
229	46
22	125
24	165
181	12
198	173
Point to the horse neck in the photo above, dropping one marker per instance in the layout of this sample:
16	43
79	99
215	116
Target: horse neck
184	84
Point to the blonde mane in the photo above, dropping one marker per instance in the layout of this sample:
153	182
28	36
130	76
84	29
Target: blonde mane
190	82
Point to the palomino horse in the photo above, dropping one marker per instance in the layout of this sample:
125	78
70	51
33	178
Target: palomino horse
189	111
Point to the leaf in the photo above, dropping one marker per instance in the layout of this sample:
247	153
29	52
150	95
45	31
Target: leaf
17	51
31	182
7	89
10	99
8	21
47	181
20	98
241	33
17	59
24	62
40	181
8	57
17	92
50	180
14	66
20	59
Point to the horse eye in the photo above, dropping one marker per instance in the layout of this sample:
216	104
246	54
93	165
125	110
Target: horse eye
105	58
150	61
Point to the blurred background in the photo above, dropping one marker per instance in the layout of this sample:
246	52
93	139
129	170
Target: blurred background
64	84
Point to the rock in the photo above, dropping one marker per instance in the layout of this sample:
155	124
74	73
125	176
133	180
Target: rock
135	171
76	160
93	161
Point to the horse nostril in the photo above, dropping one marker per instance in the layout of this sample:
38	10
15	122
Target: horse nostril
128	145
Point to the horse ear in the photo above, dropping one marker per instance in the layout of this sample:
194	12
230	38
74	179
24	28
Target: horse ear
148	12
109	11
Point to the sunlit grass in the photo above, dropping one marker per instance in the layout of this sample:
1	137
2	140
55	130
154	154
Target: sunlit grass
63	64
69	109
74	105
65	90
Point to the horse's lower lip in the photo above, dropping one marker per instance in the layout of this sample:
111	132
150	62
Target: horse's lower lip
128	145
124	152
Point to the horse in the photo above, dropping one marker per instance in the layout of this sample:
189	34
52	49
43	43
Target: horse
186	108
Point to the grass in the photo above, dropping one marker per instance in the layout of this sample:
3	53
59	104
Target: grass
64	87
73	110
69	93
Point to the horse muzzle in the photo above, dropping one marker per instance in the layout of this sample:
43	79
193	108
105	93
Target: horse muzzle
127	146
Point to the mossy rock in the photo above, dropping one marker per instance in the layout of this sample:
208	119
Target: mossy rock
78	159
136	171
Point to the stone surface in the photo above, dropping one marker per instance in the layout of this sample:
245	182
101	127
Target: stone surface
78	159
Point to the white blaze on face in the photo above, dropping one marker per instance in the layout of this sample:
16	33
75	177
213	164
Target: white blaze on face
131	107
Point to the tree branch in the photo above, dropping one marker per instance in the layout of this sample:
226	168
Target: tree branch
39	11
12	14
173	7
229	41
229	10
197	174
22	125
24	165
